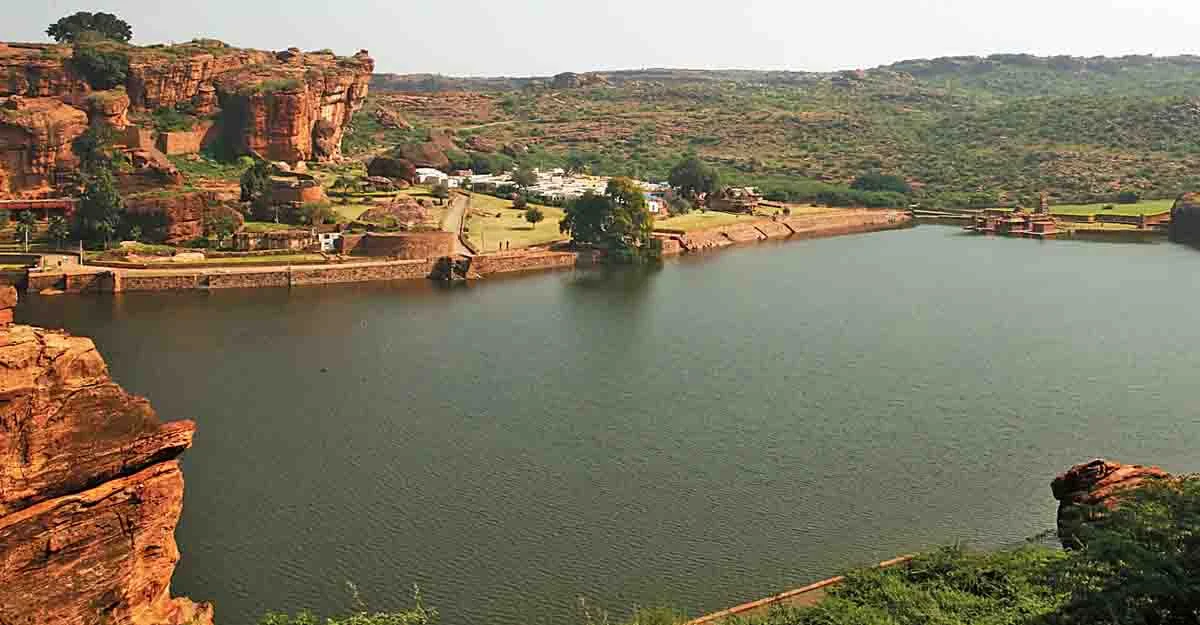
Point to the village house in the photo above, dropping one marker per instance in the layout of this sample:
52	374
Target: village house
735	200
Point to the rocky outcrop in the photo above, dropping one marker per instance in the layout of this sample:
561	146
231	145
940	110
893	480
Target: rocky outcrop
426	154
291	106
109	109
571	80
393	168
35	143
295	111
90	490
1086	490
181	216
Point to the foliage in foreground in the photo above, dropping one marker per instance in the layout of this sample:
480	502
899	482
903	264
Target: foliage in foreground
1140	565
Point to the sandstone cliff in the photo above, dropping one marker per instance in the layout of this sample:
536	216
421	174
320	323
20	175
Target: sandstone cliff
1088	488
287	106
90	490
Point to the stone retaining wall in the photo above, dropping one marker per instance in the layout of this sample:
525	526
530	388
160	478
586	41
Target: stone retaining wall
402	270
156	282
249	280
488	264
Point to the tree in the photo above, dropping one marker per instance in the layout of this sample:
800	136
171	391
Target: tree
58	230
534	215
576	164
520	202
26	228
441	190
220	225
316	213
524	177
692	177
876	181
93	148
619	219
108	26
256	184
1128	197
103	69
100	208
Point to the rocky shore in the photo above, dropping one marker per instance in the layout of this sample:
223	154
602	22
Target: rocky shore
90	489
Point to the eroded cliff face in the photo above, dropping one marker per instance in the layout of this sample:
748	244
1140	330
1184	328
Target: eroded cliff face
287	106
90	490
35	143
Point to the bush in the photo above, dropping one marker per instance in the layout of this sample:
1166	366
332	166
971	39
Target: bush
171	120
876	181
102	70
1128	197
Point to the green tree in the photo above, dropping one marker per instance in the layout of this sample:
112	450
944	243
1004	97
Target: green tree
108	26
102	69
520	202
876	181
692	177
441	190
100	208
534	215
26	228
575	164
94	149
256	184
220	225
316	213
1128	197
524	177
618	220
58	230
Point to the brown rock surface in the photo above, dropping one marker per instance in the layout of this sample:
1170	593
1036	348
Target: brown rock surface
35	141
183	213
403	209
1091	484
109	108
424	155
90	491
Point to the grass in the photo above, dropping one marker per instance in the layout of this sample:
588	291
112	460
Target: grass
697	220
1148	207
486	231
267	226
281	259
350	212
210	169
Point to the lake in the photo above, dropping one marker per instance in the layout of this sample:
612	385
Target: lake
712	431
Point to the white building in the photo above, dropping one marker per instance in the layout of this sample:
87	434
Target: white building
427	175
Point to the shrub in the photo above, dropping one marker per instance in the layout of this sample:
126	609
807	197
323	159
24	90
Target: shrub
103	70
1128	197
171	120
876	181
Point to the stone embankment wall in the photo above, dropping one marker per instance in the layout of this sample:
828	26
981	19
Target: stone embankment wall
489	264
90	489
824	224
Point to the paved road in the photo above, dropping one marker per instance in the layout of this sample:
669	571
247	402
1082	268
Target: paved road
455	217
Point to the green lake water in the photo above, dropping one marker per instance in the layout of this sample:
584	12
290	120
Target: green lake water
713	431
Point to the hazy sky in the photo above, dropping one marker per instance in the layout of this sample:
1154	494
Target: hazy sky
537	37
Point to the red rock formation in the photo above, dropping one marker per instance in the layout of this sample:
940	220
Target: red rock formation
109	109
1095	483
90	490
35	141
289	107
183	213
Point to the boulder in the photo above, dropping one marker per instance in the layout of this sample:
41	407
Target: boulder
151	162
424	155
391	118
109	109
1085	490
392	167
403	209
476	143
92	491
181	215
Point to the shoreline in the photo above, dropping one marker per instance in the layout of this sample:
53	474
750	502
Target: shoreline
97	279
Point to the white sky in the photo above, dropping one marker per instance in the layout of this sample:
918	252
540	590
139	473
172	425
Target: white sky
540	37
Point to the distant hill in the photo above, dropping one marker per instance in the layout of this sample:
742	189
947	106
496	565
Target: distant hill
962	130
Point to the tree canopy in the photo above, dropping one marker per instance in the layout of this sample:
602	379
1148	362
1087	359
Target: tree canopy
524	177
100	208
692	177
83	24
618	220
876	181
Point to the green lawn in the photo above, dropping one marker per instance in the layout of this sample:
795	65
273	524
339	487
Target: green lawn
1148	207
351	211
697	220
486	231
267	226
